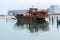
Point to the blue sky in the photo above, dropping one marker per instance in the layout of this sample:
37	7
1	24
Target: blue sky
25	4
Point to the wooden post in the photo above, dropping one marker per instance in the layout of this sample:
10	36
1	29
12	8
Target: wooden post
57	22
6	19
52	20
49	19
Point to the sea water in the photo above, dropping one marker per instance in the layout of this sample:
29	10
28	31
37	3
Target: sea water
11	29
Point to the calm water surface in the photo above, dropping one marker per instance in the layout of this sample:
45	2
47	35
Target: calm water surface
11	29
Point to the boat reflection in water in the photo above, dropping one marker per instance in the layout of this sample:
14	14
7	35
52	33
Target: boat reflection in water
32	26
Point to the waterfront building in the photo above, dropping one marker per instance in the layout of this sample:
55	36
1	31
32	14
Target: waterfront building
54	9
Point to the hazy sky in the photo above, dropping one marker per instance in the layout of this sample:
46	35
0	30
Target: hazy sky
25	4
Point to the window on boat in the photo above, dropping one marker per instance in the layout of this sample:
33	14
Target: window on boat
21	14
34	14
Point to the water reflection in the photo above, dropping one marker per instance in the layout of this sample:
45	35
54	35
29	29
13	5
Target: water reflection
33	26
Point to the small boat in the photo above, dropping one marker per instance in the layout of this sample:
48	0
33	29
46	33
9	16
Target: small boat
33	14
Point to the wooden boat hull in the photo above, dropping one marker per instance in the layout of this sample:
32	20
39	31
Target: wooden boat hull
19	18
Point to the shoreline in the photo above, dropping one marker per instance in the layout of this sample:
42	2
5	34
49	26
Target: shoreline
6	17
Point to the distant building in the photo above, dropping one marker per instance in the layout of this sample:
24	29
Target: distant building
14	12
54	9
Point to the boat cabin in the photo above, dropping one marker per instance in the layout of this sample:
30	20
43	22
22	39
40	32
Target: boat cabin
38	13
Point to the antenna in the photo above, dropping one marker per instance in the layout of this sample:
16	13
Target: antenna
32	6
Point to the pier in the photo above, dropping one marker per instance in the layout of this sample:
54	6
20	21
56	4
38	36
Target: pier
55	15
